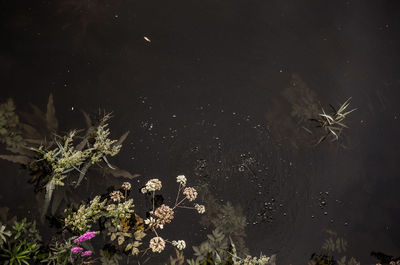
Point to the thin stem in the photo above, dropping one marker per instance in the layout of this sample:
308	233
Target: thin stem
153	200
154	231
176	205
179	191
186	207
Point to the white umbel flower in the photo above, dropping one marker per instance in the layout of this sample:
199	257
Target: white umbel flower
126	186
116	196
157	244
190	193
180	244
181	179
152	185
200	208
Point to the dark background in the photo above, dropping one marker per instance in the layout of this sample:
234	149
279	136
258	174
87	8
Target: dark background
212	72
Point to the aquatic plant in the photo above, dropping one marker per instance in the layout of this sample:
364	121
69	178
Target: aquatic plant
17	254
219	250
23	244
332	245
227	219
178	260
107	258
127	228
3	234
70	251
10	128
332	124
65	157
52	159
216	247
82	219
302	99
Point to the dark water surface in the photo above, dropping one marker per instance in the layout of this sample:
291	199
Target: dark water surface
212	97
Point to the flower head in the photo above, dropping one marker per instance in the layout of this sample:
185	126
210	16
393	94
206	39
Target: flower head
153	223
85	237
157	244
190	193
180	244
181	179
116	196
86	253
152	185
76	249
164	214
200	208
126	186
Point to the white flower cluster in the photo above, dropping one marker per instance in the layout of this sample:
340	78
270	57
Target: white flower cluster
153	224
152	185
190	193
126	186
200	208
116	196
163	215
157	244
181	179
180	244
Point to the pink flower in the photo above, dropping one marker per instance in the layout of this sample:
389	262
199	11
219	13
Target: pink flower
86	253
85	237
76	249
71	260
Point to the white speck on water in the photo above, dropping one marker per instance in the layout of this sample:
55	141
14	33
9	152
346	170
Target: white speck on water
72	108
173	116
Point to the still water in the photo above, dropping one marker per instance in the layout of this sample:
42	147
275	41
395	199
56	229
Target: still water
223	93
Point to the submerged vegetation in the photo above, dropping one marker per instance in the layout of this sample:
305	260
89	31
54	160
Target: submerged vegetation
331	247
332	124
60	162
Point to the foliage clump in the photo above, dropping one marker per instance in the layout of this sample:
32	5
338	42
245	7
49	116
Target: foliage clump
55	160
122	225
10	128
333	245
22	245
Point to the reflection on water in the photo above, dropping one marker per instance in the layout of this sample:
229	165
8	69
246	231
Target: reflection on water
220	91
333	251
